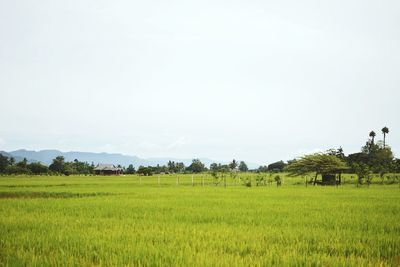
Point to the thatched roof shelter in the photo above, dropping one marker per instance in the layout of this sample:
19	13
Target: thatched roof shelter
107	169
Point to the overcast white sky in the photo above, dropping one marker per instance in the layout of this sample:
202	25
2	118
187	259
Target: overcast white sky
253	80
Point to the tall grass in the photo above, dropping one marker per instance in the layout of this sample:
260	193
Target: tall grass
118	221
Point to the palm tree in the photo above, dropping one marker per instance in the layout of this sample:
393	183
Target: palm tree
372	134
385	131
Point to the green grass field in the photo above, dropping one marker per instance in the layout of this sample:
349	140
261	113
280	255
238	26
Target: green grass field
108	221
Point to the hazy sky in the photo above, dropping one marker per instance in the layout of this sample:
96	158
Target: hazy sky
252	80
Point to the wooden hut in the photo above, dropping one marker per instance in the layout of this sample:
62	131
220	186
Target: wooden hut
107	169
330	179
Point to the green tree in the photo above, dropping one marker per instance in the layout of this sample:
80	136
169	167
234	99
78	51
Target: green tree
233	165
38	168
276	166
4	163
396	165
180	167
213	167
58	165
15	169
147	171
317	164
20	167
385	131
171	166
378	157
372	134
196	166
243	167
381	161
363	172
69	168
23	163
130	169
80	167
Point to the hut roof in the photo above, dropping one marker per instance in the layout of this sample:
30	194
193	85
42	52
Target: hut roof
106	167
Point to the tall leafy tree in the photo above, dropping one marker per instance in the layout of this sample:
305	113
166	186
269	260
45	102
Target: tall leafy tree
385	131
243	166
58	165
372	134
196	166
130	169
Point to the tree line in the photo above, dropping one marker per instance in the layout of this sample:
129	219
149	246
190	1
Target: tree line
196	166
8	165
59	166
374	159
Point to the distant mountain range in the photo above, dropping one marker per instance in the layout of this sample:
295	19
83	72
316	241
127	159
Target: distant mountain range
47	156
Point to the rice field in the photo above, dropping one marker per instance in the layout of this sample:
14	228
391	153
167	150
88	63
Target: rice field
173	220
